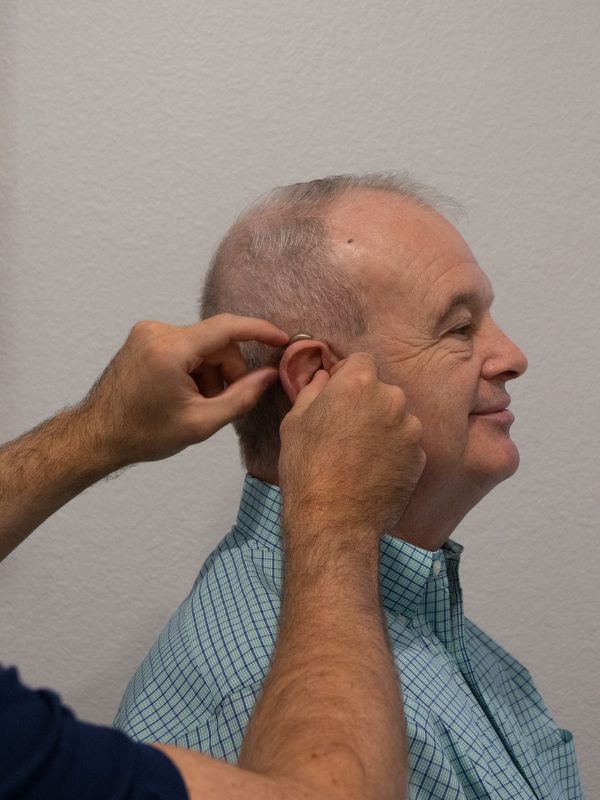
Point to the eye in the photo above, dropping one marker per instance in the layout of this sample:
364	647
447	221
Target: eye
464	330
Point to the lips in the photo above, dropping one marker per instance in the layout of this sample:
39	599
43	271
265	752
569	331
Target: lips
499	406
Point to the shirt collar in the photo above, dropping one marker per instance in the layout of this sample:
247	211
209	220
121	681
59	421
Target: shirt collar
404	568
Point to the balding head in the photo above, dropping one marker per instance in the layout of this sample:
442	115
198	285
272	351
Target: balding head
299	257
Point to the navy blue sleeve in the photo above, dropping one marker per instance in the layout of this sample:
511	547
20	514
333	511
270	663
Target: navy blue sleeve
45	752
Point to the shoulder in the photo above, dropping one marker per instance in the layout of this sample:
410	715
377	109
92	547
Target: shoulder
231	616
214	652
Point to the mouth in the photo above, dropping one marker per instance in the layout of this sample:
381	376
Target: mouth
503	415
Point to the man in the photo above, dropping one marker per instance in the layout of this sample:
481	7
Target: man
368	264
328	706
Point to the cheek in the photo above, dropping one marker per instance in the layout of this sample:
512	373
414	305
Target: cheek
445	419
441	390
442	406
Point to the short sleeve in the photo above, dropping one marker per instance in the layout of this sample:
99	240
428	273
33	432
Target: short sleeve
45	752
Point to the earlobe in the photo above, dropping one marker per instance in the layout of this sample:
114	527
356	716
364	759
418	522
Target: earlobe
299	363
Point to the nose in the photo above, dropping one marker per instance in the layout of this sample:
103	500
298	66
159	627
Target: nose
504	357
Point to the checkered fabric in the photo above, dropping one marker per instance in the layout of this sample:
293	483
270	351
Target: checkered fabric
477	727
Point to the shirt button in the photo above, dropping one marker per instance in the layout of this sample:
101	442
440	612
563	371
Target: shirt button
402	620
436	567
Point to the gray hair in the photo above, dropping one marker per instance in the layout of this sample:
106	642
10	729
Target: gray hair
276	263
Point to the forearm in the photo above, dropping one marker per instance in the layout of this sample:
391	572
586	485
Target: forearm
44	469
330	712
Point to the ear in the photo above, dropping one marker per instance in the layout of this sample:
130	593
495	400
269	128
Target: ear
299	363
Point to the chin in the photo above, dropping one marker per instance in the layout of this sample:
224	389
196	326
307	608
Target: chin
491	468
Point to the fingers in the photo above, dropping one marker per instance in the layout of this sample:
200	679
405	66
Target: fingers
229	361
337	366
209	381
215	412
359	361
170	382
311	391
217	332
354	364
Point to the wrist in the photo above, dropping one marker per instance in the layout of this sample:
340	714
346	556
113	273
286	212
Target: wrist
90	448
303	528
330	554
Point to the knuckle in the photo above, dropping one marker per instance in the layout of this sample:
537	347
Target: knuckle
397	395
290	425
285	424
362	378
416	425
144	328
361	370
142	325
349	365
225	317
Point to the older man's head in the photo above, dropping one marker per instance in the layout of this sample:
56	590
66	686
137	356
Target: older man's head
368	264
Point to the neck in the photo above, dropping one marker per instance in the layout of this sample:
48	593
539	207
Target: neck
435	509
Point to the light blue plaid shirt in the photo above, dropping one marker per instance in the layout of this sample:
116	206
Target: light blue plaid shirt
477	727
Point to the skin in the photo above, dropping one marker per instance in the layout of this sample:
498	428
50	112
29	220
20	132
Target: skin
330	604
329	722
410	261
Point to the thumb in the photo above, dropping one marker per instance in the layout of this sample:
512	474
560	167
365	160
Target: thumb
308	394
239	397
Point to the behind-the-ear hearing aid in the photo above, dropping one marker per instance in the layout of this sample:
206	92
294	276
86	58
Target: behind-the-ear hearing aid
299	336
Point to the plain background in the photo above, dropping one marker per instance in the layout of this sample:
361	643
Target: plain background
131	135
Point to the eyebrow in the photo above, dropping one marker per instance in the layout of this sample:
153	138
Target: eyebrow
457	300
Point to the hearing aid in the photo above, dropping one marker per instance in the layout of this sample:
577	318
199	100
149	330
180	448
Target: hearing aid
299	336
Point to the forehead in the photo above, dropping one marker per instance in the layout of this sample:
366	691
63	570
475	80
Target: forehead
403	252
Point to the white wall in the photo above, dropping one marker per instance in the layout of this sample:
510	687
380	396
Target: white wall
131	135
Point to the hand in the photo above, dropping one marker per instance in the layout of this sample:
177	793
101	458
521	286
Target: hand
164	389
350	452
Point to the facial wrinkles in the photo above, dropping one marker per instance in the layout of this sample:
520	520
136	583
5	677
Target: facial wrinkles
414	353
416	347
439	289
408	280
